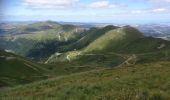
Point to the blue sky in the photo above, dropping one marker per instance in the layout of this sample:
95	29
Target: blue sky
105	11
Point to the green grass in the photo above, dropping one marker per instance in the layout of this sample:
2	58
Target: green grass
139	82
89	36
16	70
146	44
114	39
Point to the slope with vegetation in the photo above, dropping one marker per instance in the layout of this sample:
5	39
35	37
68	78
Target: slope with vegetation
110	63
148	81
114	46
36	38
16	70
89	36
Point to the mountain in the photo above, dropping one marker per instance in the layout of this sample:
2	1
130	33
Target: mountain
99	63
113	39
37	37
104	41
89	36
26	27
114	47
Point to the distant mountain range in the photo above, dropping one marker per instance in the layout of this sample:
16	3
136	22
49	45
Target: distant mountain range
161	30
27	40
156	30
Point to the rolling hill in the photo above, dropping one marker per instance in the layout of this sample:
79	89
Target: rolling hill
114	39
116	44
37	37
89	36
16	70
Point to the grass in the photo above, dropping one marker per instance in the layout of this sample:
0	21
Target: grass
113	40
89	36
16	70
147	44
139	82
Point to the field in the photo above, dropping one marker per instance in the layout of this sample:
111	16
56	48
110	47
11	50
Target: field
149	81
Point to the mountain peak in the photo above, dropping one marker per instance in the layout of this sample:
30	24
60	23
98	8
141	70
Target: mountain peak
114	38
51	22
110	27
131	30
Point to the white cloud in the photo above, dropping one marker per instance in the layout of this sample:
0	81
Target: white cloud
155	10
159	6
159	1
136	11
159	10
101	4
50	3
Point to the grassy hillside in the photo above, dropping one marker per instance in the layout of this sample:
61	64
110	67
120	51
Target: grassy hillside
147	44
27	27
105	41
138	82
114	46
38	36
89	36
17	70
114	39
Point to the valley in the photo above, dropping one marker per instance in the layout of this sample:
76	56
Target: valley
49	60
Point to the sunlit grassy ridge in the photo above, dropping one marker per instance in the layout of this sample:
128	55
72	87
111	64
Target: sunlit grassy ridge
113	39
89	36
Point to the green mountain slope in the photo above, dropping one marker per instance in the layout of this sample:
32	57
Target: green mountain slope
17	70
138	82
147	44
27	27
89	36
114	47
107	42
114	39
32	43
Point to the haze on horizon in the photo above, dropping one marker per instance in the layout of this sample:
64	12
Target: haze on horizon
112	11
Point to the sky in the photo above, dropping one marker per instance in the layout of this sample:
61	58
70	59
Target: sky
102	11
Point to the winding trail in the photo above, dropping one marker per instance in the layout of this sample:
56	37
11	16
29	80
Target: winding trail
68	58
